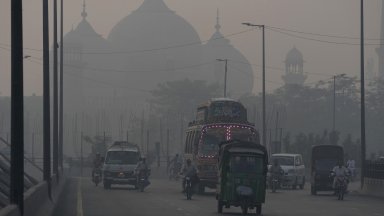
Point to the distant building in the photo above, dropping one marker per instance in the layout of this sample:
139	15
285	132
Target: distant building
294	64
380	50
149	46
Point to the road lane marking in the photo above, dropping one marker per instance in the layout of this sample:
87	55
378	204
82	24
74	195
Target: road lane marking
79	199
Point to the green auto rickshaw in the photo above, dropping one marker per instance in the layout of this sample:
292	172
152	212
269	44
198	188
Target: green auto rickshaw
242	175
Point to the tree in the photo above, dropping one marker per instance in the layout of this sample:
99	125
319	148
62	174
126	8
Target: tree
183	96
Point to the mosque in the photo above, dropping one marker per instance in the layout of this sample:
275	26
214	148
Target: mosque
151	45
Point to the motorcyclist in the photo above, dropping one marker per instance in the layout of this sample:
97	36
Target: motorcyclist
97	163
141	166
339	172
276	171
190	171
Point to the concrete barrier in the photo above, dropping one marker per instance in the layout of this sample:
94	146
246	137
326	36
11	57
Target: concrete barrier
36	200
10	210
373	187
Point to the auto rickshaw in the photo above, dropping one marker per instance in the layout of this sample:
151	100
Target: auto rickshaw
324	159
242	175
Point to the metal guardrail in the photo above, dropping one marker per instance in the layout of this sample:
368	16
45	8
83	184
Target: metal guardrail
374	169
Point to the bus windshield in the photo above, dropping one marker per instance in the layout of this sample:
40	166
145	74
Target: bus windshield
211	139
213	136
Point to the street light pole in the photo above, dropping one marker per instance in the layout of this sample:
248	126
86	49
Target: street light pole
225	75
334	100
17	107
263	78
362	94
61	123
46	100
55	96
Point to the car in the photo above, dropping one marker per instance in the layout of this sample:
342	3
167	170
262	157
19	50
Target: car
381	159
119	165
294	169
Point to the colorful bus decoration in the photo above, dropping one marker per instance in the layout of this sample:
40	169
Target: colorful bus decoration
216	121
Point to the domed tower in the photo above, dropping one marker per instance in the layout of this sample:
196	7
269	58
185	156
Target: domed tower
294	74
78	43
240	74
158	45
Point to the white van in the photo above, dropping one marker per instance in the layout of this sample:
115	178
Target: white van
294	169
119	165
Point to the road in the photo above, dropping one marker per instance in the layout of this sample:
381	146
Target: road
162	197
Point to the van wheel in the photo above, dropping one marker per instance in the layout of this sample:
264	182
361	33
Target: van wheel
313	191
219	206
302	184
258	209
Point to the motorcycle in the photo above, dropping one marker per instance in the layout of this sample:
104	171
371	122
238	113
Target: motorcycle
341	187
142	180
97	176
274	183
188	187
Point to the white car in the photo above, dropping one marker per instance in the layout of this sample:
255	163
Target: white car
294	169
119	165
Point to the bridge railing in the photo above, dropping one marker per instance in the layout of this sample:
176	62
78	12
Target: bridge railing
374	169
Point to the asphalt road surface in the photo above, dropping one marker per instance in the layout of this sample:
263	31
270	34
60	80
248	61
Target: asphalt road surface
163	197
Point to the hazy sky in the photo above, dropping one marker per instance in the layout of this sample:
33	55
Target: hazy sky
322	59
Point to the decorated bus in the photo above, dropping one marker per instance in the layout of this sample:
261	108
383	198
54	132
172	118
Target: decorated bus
217	120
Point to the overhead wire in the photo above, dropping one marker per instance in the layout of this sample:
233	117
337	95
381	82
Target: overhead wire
321	40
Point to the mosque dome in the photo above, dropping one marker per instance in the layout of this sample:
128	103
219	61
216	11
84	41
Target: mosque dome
240	74
294	56
153	25
156	43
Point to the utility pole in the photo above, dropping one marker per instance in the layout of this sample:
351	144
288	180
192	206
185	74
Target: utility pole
61	122
46	100
334	100
142	131
81	154
225	75
17	106
362	93
147	147
167	149
264	109
55	96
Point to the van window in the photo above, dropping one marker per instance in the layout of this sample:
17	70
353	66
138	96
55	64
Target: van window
298	161
122	157
283	160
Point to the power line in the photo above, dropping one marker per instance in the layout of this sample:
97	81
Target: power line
320	40
133	71
93	80
281	69
153	49
322	35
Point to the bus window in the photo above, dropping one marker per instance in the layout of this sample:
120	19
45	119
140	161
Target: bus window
187	142
190	141
196	139
211	139
244	134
